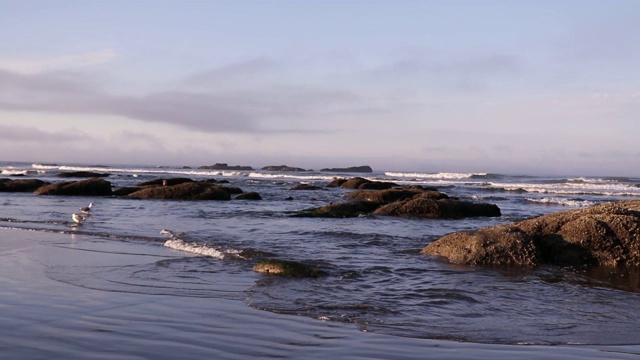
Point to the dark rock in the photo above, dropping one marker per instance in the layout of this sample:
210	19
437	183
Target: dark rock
431	205
602	235
283	168
361	183
88	187
232	190
306	187
287	268
185	191
125	190
394	194
223	166
249	196
353	169
20	185
164	182
336	182
82	174
340	210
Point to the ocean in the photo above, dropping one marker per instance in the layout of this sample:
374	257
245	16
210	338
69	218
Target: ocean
114	287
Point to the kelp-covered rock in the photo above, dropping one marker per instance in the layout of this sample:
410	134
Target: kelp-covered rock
21	185
601	235
184	191
88	187
286	268
361	183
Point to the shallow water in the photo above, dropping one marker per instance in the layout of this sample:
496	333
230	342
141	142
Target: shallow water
378	282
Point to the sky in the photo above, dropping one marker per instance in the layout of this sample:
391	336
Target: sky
516	87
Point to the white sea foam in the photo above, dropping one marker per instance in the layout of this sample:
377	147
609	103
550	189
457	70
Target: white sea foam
194	248
562	201
581	188
440	175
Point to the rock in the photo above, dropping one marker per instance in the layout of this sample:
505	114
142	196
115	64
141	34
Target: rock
185	191
164	182
286	268
361	183
601	235
306	187
391	195
21	185
88	187
223	166
249	196
82	174
431	205
353	169
125	190
283	168
340	210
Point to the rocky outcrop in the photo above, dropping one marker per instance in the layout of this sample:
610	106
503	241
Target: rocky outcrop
224	166
82	174
20	185
432	205
352	169
361	183
412	201
88	187
283	168
191	190
286	268
602	235
252	195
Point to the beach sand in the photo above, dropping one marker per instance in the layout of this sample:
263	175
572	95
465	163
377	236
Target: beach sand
45	317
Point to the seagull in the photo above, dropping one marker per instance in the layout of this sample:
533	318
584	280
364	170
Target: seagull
77	218
167	232
86	209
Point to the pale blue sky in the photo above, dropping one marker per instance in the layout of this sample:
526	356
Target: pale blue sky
492	86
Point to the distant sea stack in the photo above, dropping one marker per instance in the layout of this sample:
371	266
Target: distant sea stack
353	169
282	168
224	166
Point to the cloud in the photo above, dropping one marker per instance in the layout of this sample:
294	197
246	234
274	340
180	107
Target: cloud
239	71
18	133
269	110
59	62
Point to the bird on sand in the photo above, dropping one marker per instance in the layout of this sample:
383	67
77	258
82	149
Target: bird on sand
77	218
86	209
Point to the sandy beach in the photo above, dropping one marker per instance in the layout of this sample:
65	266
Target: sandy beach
44	318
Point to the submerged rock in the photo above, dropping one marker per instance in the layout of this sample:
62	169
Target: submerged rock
88	187
252	195
340	210
21	185
601	235
286	268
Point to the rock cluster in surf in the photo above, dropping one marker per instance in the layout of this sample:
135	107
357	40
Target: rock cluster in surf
601	235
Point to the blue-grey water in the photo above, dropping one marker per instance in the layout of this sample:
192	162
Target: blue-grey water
378	282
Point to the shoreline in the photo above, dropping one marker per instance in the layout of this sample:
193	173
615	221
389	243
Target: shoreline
47	318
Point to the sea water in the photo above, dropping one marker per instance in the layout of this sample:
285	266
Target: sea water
378	281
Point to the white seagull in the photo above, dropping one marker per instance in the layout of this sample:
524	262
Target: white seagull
86	209
77	218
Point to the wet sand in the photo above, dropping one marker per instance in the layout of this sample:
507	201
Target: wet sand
43	318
